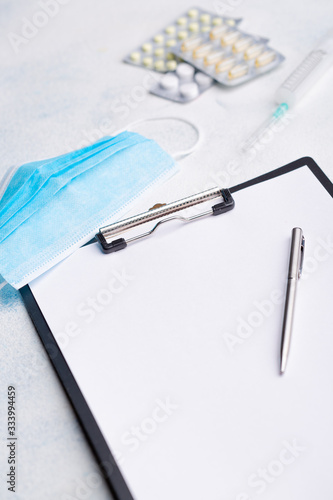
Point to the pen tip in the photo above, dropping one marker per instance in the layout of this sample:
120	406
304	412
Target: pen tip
283	365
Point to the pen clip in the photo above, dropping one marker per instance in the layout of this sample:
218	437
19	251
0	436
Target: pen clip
296	254
301	260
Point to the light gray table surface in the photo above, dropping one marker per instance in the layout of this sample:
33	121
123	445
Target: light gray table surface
59	88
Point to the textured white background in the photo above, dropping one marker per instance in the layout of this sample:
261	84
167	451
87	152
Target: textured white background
56	92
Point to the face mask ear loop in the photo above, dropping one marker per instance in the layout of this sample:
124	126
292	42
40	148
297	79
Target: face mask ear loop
179	155
9	174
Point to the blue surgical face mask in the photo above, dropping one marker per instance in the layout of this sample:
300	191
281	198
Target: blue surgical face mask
51	207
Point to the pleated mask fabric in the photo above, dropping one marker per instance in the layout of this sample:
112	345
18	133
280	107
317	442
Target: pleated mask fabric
51	207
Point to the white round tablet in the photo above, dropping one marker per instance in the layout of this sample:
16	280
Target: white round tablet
189	90
185	71
202	79
169	82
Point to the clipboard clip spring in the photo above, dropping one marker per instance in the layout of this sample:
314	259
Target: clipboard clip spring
106	234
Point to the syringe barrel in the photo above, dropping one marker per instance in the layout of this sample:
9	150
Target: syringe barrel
307	73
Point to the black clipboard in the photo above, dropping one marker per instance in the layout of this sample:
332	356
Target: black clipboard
106	461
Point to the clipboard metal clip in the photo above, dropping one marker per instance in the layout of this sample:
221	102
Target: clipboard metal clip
106	234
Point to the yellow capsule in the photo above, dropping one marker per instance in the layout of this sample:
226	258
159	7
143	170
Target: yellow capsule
253	51
230	38
217	21
171	43
241	44
191	43
147	61
171	65
202	50
170	30
238	71
205	18
135	56
205	29
159	38
182	35
182	21
265	58
217	32
170	56
193	27
213	57
159	65
147	47
230	22
193	13
159	52
225	64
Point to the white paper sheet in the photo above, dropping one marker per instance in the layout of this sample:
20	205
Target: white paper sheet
175	344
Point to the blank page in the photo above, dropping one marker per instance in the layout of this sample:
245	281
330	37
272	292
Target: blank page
175	345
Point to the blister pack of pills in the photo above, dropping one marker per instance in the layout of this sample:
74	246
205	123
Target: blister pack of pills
157	52
228	55
183	85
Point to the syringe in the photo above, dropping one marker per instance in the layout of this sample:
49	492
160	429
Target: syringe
295	86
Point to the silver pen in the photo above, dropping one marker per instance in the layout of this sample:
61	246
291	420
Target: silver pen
294	273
